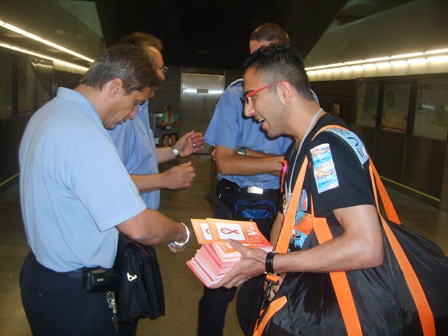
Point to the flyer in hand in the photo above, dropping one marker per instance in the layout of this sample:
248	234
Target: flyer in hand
215	258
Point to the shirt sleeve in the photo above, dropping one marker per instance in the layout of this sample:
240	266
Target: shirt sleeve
223	129
338	178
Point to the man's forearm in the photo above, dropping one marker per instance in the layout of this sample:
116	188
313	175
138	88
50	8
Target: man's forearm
165	154
150	227
231	163
148	182
250	152
250	165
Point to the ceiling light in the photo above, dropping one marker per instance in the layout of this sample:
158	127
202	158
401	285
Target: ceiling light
417	61
383	64
436	51
377	59
334	65
353	62
41	40
42	56
438	58
408	55
399	63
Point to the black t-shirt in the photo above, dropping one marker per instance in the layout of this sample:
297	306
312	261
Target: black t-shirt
337	177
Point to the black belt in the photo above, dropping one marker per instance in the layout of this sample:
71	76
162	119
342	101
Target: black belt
77	274
231	188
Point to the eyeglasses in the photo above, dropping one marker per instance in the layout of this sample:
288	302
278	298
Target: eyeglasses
253	93
164	69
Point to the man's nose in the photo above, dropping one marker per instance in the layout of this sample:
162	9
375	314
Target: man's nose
249	109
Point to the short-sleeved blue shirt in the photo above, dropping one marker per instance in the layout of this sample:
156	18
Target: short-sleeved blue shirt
136	147
229	128
74	189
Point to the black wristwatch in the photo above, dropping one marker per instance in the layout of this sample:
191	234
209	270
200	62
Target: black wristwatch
241	151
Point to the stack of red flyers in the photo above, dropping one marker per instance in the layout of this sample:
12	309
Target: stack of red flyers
215	258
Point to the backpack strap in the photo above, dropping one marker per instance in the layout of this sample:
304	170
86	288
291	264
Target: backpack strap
339	280
424	310
274	307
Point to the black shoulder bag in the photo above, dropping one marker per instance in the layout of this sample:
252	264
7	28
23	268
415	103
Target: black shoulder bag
140	292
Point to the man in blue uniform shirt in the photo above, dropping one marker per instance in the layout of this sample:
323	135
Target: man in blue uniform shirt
137	150
135	139
249	166
75	194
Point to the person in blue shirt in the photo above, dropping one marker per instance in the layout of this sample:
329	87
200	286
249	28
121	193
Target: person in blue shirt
136	147
135	139
249	165
76	195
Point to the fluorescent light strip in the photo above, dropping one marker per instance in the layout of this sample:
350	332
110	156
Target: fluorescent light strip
353	62
397	60
407	55
41	40
436	51
377	59
42	56
417	61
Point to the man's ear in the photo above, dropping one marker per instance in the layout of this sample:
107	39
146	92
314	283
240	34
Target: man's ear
115	86
286	91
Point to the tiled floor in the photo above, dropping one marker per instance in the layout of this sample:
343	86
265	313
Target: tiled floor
182	289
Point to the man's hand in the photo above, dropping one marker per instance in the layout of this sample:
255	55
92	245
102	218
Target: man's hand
180	176
251	264
190	143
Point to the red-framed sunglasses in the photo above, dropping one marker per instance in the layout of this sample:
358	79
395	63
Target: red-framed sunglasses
253	93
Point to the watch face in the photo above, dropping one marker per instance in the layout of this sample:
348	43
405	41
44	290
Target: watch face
241	151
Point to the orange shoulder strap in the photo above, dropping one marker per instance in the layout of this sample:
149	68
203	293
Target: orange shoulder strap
274	307
340	282
415	287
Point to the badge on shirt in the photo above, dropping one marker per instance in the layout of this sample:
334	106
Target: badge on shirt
353	141
323	168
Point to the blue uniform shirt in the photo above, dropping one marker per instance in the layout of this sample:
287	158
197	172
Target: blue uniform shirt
229	128
136	147
74	189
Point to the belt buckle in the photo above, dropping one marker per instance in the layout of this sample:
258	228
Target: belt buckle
254	190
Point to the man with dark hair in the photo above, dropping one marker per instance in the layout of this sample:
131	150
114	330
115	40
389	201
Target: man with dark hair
76	195
277	94
135	140
137	150
249	166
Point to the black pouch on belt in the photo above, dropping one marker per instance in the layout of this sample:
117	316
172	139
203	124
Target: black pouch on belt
227	187
99	280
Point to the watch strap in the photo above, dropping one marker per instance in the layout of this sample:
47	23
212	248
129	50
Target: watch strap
270	263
